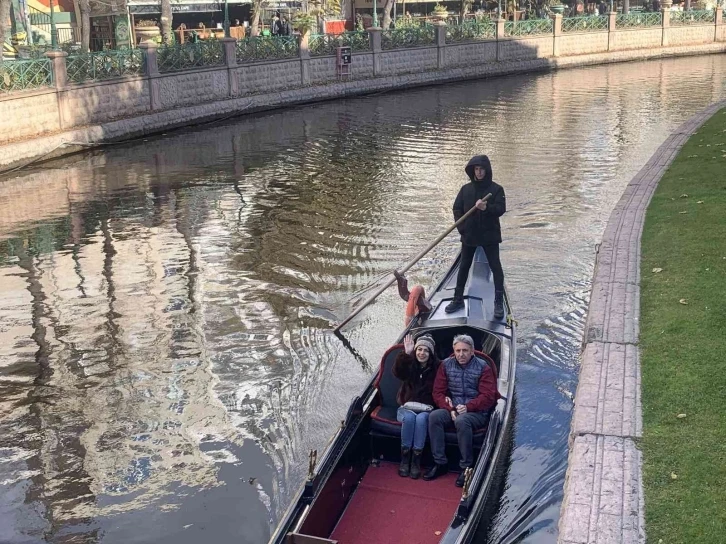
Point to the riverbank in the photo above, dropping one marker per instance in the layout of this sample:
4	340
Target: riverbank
682	343
604	498
72	118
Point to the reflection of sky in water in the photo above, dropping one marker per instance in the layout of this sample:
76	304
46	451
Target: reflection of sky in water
165	308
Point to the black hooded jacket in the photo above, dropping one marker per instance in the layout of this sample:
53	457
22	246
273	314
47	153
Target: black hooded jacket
482	227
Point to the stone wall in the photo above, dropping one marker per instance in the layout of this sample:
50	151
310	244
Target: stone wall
99	102
526	48
268	77
681	35
272	83
646	38
15	110
404	61
463	54
582	43
192	87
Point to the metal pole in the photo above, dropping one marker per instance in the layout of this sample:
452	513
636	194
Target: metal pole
226	19
412	262
53	29
375	15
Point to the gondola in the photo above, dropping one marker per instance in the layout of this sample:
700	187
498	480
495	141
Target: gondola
353	494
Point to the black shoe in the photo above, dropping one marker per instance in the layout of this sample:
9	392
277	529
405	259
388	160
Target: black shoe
436	471
416	464
461	478
498	304
455	305
403	468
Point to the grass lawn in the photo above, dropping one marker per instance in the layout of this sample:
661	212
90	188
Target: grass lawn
683	345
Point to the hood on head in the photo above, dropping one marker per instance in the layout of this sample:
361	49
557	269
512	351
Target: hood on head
483	161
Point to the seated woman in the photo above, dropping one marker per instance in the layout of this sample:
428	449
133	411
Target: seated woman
416	367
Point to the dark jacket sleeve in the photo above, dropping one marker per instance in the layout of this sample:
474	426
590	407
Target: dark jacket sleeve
459	210
498	206
487	397
402	366
441	389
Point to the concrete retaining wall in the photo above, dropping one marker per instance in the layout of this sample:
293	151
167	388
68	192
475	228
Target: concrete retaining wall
201	93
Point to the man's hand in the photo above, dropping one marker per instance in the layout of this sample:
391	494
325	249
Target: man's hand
461	408
481	204
453	415
408	344
448	401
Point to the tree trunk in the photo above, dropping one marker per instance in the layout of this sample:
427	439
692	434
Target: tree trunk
4	20
85	7
255	24
387	7
166	21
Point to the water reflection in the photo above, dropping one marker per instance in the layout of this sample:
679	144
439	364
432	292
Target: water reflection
166	307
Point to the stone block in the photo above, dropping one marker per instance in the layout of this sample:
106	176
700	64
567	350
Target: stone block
682	35
636	39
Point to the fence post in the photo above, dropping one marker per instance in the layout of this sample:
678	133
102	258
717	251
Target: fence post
666	22
612	21
440	44
60	80
230	57
374	33
719	22
304	51
557	31
151	71
500	37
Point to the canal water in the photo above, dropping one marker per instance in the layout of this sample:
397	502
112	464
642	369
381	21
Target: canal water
166	306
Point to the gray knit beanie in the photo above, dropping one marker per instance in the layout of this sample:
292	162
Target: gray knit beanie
426	341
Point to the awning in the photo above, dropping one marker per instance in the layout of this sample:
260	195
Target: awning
182	7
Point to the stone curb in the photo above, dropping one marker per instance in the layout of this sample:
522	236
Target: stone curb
603	501
15	154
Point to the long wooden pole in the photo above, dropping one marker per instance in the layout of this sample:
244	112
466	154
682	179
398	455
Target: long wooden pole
412	262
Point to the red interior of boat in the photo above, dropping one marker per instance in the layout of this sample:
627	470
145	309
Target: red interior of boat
388	509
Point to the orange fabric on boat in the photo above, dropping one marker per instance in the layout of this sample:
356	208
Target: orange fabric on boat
412	306
388	509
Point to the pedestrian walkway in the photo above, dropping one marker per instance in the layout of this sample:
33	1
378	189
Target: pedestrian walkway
603	500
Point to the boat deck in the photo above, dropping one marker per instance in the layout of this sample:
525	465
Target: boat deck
388	509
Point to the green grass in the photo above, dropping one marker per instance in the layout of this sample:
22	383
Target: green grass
683	346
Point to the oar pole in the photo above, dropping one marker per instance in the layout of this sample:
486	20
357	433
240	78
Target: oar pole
405	269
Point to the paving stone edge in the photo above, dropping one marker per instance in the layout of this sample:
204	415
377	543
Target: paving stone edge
603	497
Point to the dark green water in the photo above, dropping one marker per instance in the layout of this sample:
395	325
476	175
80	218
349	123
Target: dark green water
166	356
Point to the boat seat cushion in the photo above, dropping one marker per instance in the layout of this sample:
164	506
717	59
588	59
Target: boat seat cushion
383	421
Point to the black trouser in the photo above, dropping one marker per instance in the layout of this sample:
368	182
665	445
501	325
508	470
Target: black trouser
467	256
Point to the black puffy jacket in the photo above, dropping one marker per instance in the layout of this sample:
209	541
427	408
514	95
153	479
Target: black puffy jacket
482	227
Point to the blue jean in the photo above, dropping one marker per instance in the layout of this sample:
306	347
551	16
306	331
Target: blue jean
415	428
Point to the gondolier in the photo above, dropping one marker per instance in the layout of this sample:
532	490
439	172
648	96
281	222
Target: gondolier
481	229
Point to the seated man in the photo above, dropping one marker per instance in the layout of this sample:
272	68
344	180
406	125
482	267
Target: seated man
465	391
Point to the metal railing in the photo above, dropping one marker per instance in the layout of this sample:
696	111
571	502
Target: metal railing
694	17
529	27
592	23
267	48
638	20
408	37
327	44
172	58
471	31
102	65
21	75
